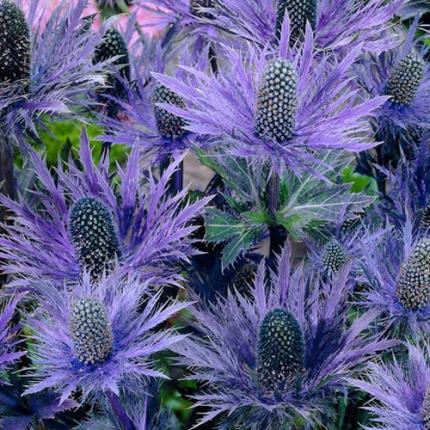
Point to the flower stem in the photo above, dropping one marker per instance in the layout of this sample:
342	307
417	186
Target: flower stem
119	412
176	183
7	181
277	232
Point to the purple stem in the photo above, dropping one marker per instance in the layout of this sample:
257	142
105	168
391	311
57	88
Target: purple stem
119	412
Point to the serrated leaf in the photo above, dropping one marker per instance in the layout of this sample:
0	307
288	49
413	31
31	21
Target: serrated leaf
221	227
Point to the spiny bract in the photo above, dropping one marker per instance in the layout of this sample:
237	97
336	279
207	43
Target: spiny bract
334	257
15	44
413	287
169	125
425	410
91	331
280	350
196	6
114	45
93	235
275	116
405	80
299	11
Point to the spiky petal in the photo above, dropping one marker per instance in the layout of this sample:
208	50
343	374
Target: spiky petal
91	331
405	80
413	288
93	235
299	11
275	116
15	44
169	125
197	5
280	349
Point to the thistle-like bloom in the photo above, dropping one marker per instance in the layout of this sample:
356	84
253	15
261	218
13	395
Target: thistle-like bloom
276	355
398	280
87	221
401	391
402	74
8	339
278	107
45	70
99	337
339	25
343	243
143	122
408	188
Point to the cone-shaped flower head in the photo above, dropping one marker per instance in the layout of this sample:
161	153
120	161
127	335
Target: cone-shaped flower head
170	126
413	289
405	79
15	43
334	257
425	410
114	46
93	235
275	116
91	331
299	12
280	350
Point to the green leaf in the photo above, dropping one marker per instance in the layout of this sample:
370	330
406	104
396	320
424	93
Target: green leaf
359	183
221	226
257	217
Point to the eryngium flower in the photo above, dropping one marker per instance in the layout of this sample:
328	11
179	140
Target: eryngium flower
405	79
334	257
300	12
403	74
275	116
149	124
279	107
397	278
114	47
98	337
170	126
401	391
339	25
298	326
8	339
413	288
15	44
56	66
280	353
88	219
93	234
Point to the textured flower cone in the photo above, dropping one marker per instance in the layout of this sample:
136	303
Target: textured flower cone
413	287
405	80
114	45
425	410
275	116
93	235
280	350
91	332
244	276
15	44
299	12
169	125
197	5
334	257
114	4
